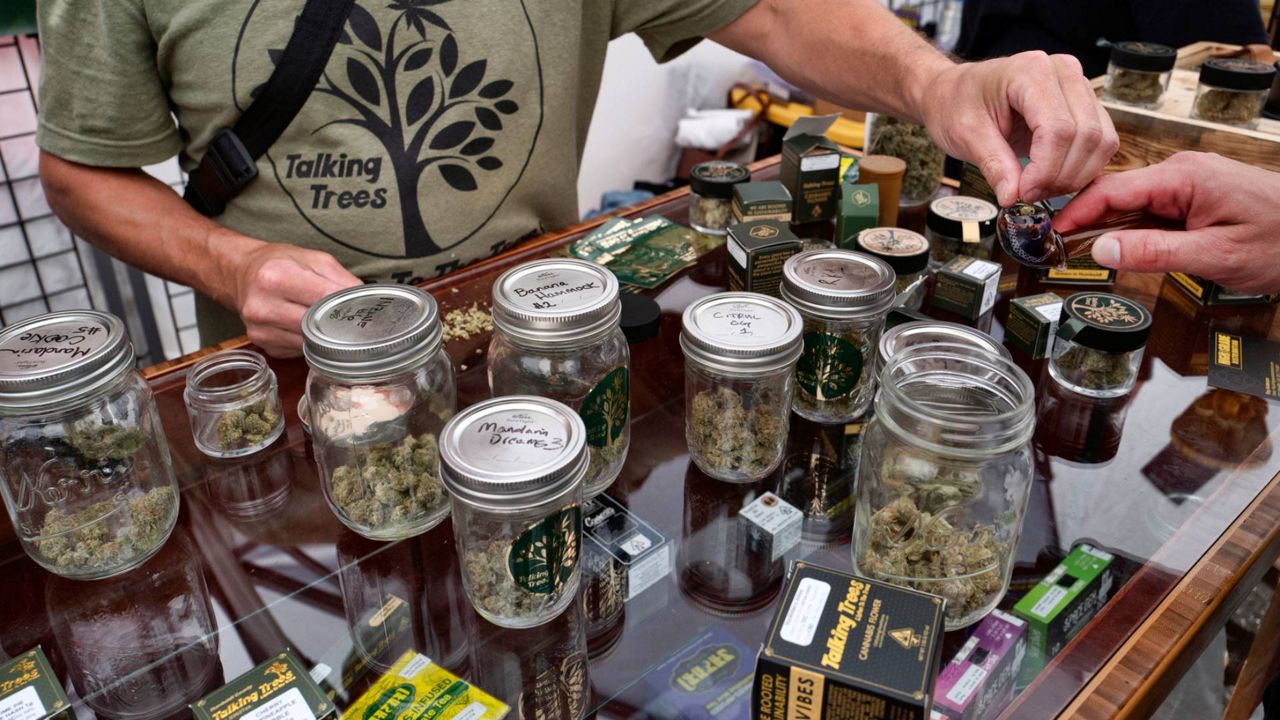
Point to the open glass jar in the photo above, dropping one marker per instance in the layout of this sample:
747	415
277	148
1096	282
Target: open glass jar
86	472
907	253
945	474
711	195
843	297
379	392
740	352
557	335
233	404
960	225
1139	73
929	332
1099	344
514	468
1233	91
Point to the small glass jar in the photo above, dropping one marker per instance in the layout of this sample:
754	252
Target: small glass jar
1232	91
86	473
514	467
740	352
711	195
904	251
945	475
1099	344
911	143
844	297
233	404
928	332
960	225
557	335
1139	73
379	391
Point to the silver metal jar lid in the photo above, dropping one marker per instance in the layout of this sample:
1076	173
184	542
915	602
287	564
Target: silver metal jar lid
369	331
839	284
556	301
742	332
61	357
927	332
513	452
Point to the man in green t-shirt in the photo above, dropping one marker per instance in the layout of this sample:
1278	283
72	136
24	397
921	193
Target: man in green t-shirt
443	131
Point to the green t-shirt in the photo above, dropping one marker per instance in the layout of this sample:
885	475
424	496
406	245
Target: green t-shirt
442	131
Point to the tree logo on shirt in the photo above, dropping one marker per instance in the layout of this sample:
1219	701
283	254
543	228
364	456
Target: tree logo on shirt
445	95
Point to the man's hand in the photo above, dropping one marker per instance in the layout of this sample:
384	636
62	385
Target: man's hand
991	113
1230	211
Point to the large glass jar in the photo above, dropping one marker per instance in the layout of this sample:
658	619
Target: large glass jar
233	404
945	475
960	225
740	352
844	297
514	468
1139	73
379	392
1233	91
926	332
907	253
557	335
87	477
911	143
1099	344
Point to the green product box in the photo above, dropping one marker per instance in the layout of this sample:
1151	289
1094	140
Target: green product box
757	251
811	169
1208	292
1063	603
859	210
279	687
761	201
30	691
967	286
1032	324
842	647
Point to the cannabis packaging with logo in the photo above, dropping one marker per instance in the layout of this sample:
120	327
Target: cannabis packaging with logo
1099	344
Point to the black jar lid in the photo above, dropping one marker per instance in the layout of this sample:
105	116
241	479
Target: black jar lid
1237	74
961	216
1103	321
1149	57
716	178
906	252
641	317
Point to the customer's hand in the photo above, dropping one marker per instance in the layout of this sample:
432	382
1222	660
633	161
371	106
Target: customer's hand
275	284
993	112
1230	209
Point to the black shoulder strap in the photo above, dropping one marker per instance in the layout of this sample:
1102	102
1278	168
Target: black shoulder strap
230	162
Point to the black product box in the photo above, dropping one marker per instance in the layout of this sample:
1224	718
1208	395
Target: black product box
30	691
967	286
1208	292
811	169
842	647
1032	324
757	251
761	201
1079	271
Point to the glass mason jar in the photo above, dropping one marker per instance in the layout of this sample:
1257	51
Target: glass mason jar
711	195
1232	91
86	472
844	297
1139	73
379	391
233	404
960	225
945	474
1099	344
904	251
557	335
911	143
514	468
927	332
740	352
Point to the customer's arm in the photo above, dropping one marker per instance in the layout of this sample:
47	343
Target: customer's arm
857	53
142	221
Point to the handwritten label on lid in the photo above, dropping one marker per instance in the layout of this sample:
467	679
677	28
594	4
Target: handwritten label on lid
511	440
744	323
556	289
370	317
830	273
52	346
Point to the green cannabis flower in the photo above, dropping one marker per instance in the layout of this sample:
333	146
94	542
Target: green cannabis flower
97	441
1094	369
1134	86
96	538
390	484
910	143
247	426
734	437
493	589
1232	107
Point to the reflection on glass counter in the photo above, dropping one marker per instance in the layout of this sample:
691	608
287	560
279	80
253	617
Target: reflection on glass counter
253	488
1079	428
818	475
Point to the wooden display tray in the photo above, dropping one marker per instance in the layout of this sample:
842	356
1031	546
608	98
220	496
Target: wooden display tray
1149	136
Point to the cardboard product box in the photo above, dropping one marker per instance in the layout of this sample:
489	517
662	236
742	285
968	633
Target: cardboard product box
842	647
1033	323
30	691
1079	271
415	687
978	682
710	679
1060	605
811	169
767	200
967	286
757	251
1208	292
859	210
279	687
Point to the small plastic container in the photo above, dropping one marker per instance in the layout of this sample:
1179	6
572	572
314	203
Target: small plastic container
844	297
711	195
233	404
740	352
907	253
1233	91
1099	344
960	225
514	468
1139	73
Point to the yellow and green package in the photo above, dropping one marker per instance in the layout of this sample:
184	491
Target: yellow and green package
417	689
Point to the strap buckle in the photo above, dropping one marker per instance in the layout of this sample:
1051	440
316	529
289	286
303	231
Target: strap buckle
225	170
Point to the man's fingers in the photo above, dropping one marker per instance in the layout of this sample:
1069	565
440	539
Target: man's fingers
1048	115
998	163
275	341
1161	189
328	267
1153	251
1095	140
